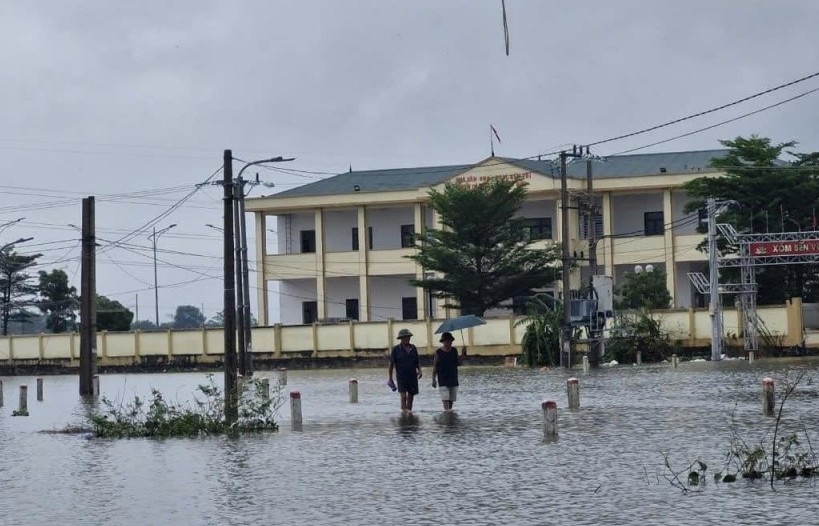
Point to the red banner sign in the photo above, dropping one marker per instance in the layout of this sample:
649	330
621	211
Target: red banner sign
776	249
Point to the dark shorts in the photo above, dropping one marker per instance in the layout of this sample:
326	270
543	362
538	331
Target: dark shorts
409	385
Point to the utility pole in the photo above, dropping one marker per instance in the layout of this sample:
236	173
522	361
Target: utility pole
566	262
595	333
156	284
248	347
715	303
238	191
231	396
88	301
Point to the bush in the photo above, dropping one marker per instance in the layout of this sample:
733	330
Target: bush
257	410
637	331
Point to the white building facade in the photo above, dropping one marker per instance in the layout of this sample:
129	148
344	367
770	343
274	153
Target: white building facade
341	243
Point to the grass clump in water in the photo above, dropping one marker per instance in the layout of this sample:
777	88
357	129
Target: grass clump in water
162	419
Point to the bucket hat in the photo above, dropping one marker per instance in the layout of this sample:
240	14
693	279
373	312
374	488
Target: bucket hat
404	333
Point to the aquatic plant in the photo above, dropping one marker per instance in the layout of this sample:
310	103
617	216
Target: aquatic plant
160	418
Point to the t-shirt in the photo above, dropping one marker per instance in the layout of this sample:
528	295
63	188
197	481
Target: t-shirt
406	361
447	367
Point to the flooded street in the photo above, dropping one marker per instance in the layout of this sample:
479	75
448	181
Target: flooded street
366	464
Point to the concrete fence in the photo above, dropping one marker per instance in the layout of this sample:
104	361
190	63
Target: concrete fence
499	337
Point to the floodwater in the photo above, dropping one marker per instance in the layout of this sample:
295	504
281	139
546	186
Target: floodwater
365	464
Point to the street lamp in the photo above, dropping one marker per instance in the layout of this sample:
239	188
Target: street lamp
21	240
214	227
242	273
9	223
153	237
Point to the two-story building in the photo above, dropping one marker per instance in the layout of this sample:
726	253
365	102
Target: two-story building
340	243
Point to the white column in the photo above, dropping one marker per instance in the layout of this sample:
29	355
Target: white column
420	293
608	243
261	280
363	266
668	243
321	285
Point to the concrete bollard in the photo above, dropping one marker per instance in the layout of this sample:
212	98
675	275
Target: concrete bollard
22	410
295	410
639	357
573	391
751	356
675	361
1	393
768	396
585	364
353	385
282	375
39	389
549	419
95	382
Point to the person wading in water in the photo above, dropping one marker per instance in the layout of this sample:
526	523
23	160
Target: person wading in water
404	360
445	370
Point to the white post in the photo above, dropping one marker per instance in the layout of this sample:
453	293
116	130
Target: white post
23	407
39	389
674	360
751	356
282	375
549	419
295	410
96	384
767	396
1	393
573	391
353	385
585	364
639	357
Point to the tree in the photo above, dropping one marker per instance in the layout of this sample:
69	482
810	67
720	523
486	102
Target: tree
143	325
112	315
16	288
644	290
58	301
218	320
771	195
188	317
483	255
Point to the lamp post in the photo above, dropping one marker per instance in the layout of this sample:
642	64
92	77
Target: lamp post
154	237
242	273
21	240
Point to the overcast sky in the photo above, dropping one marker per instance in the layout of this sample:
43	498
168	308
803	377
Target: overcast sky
133	102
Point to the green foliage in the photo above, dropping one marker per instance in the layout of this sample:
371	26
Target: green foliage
771	196
483	254
188	317
159	418
637	331
16	287
541	341
58	301
644	290
112	315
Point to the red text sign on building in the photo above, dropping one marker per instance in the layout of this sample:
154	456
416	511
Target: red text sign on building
472	181
775	249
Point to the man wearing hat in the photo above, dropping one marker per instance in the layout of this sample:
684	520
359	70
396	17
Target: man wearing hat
404	360
445	370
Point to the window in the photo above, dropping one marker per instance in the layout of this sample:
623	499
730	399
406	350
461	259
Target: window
309	312
407	236
584	226
539	228
654	225
352	309
308	241
355	238
409	308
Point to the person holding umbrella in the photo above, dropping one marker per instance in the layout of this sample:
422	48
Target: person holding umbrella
445	370
404	360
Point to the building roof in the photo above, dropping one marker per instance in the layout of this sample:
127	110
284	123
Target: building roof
398	179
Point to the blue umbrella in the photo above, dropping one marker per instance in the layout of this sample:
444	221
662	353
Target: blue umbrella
459	323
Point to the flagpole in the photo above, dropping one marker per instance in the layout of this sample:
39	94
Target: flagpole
491	141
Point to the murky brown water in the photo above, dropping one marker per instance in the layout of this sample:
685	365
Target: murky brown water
365	464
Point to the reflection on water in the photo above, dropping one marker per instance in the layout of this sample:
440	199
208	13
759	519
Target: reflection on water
366	463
